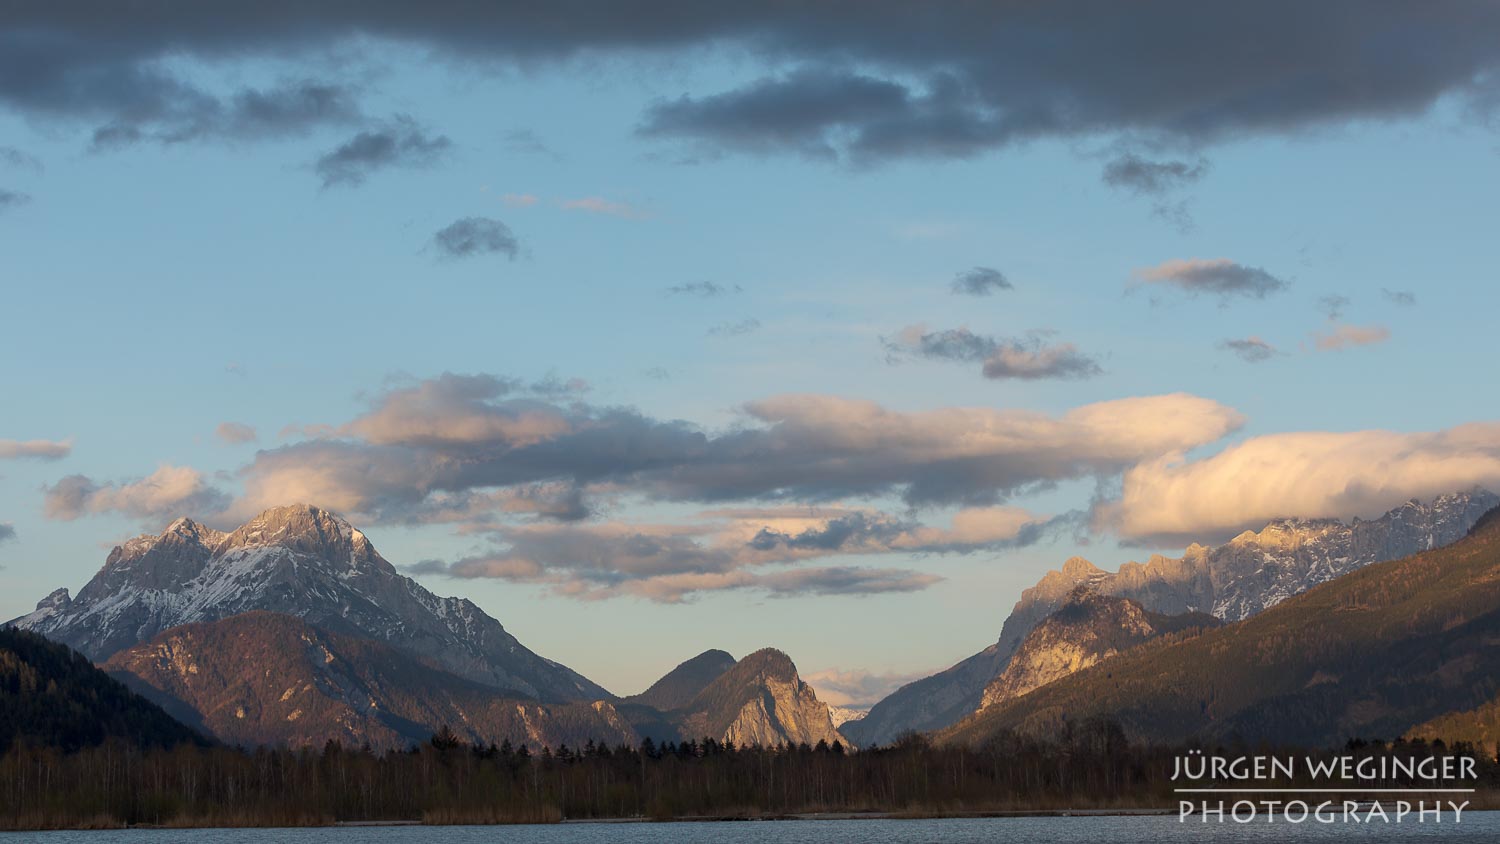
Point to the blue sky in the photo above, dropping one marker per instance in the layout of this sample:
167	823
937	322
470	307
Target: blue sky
158	289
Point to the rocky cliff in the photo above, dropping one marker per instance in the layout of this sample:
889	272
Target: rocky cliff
1087	629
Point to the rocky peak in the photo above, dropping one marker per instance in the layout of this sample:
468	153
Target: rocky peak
1088	628
58	599
679	686
304	562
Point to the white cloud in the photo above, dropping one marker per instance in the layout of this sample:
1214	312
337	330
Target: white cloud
1313	475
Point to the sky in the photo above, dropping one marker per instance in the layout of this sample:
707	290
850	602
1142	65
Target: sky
657	327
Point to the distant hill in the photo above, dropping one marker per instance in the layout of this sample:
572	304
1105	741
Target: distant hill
1395	647
679	686
301	561
52	696
263	678
1231	581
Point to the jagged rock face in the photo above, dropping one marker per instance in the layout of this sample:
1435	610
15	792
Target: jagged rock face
304	562
760	700
1089	628
269	679
842	715
1233	581
677	688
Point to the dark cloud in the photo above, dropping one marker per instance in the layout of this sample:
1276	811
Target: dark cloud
1028	358
704	289
12	199
7	532
980	281
1404	298
399	143
735	328
932	80
251	114
1217	277
19	158
1250	349
802	112
476	236
845	580
1139	176
731	549
1333	305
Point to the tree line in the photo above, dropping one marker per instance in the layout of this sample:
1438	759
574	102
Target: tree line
1089	765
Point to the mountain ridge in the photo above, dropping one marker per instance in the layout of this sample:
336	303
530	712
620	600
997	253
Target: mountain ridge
302	561
1232	581
1391	649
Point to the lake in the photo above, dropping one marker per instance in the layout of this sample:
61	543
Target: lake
1476	827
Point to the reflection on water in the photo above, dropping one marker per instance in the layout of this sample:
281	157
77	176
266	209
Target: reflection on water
1476	827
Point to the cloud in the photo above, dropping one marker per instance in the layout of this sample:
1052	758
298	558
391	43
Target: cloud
1173	499
472	236
20	159
857	688
458	433
1141	177
1346	336
600	205
186	113
930	82
980	281
1403	298
169	492
1029	359
7	532
35	449
527	142
235	433
1219	277
733	549
1251	349
735	329
703	289
401	142
519	200
11	199
1333	305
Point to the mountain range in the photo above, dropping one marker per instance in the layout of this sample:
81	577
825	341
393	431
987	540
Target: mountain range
1405	647
1231	581
293	629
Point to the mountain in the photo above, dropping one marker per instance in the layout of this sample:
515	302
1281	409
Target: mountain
1086	630
760	699
299	561
841	715
1395	647
677	688
52	696
263	678
1232	581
